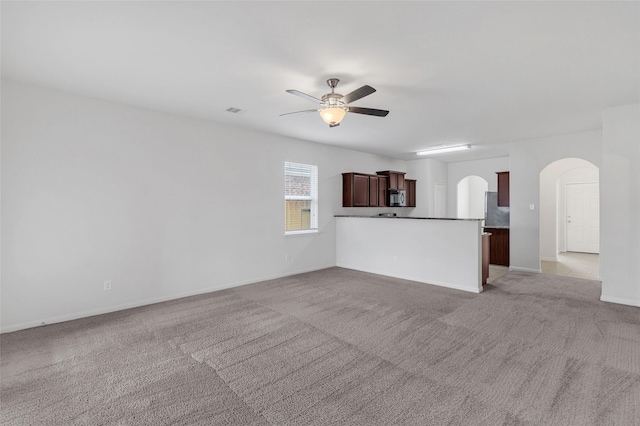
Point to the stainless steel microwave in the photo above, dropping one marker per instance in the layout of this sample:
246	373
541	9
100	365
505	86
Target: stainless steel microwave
397	198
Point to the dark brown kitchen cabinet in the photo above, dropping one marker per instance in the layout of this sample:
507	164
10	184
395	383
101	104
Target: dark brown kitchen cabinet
393	181
410	188
503	189
373	191
355	190
486	256
383	183
365	190
498	246
396	179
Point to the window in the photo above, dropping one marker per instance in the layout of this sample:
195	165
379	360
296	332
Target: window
300	198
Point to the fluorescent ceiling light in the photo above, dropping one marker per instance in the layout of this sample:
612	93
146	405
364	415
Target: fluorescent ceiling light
444	149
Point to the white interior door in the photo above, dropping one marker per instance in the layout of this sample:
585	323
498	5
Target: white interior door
583	217
440	200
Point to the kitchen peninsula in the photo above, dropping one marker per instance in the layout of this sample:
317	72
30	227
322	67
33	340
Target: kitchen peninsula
440	251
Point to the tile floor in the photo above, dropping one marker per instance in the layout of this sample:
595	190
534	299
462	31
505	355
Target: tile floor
496	271
579	265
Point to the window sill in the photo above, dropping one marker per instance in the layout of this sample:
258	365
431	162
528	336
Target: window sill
301	232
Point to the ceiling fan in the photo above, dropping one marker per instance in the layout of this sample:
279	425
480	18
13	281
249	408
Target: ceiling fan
334	106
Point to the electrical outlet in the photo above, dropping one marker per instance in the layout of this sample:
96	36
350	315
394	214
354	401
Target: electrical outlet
287	257
395	259
107	285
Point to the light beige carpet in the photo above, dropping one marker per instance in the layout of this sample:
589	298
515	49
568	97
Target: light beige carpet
337	347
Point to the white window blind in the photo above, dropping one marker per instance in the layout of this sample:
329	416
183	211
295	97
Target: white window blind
300	198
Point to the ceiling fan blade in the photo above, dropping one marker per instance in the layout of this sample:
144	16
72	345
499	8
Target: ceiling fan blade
358	94
299	112
304	95
368	111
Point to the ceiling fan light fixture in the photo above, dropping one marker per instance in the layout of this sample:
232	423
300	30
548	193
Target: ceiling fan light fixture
334	106
332	115
444	149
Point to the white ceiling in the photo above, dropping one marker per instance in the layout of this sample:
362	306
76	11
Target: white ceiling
484	73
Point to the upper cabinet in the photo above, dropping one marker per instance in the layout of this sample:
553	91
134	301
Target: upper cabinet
410	188
373	191
396	179
383	185
365	190
503	189
355	190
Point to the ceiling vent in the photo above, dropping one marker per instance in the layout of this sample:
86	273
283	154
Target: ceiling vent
233	110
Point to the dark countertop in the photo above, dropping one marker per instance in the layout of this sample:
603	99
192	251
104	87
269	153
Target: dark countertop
404	217
495	227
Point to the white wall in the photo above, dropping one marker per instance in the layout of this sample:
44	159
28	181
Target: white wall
428	172
620	205
471	197
463	198
443	252
163	206
527	159
485	169
553	179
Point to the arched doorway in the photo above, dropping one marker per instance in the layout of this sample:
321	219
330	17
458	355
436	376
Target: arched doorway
470	194
569	218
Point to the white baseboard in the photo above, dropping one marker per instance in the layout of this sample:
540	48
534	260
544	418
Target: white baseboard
520	269
109	309
620	301
469	289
